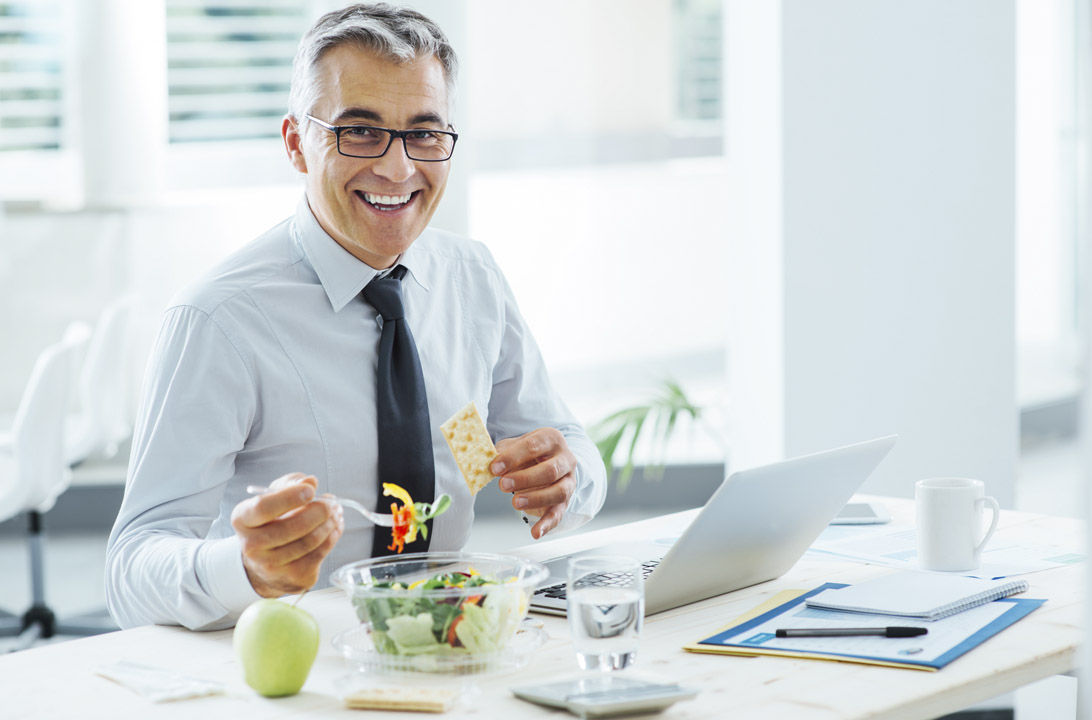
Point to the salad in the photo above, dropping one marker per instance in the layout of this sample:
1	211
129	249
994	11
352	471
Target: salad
410	517
449	613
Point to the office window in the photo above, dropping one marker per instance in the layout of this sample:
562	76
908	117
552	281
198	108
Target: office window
31	80
229	66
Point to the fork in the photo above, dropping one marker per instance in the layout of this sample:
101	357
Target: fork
372	515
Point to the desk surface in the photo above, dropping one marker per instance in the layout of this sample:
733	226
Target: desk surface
58	680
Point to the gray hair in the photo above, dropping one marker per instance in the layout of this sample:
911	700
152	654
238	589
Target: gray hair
398	34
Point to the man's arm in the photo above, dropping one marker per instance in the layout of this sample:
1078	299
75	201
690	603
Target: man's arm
195	415
179	553
545	458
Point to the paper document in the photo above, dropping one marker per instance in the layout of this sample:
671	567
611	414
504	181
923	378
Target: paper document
946	639
896	546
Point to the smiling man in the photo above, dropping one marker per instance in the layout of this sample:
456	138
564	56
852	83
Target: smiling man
321	358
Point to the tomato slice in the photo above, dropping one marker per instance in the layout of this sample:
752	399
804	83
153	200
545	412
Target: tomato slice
402	531
405	518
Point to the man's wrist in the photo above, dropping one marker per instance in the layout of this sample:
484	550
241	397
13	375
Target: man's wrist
220	569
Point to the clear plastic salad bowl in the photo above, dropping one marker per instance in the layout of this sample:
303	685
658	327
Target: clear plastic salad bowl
437	611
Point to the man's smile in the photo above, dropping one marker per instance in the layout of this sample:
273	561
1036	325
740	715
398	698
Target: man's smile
386	203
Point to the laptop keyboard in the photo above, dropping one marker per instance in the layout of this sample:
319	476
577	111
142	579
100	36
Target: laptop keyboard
617	578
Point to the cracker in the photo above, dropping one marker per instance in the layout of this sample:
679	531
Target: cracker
418	699
470	444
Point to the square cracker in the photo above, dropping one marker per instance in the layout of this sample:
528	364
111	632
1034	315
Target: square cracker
419	699
470	444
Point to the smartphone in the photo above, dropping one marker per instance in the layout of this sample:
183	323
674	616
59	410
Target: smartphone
861	513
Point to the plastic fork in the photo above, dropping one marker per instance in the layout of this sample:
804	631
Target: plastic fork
372	515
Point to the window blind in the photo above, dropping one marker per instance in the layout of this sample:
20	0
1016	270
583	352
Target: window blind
698	48
229	65
31	80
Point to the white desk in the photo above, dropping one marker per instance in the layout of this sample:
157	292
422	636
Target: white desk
57	681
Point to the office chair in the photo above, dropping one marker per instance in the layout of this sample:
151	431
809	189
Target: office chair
102	419
34	472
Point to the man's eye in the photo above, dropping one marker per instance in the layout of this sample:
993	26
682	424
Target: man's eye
422	135
359	132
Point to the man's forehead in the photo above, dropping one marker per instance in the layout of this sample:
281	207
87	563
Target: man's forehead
356	83
368	115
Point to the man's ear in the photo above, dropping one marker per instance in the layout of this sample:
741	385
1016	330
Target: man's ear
293	143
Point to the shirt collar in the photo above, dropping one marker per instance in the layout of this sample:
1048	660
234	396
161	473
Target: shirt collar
341	274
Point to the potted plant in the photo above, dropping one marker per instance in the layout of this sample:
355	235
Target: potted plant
619	434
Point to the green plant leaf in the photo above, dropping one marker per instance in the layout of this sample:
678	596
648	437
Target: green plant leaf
620	432
635	435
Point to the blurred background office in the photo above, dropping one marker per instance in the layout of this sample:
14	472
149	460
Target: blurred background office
825	219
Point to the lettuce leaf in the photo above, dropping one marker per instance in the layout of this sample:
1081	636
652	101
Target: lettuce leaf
412	634
487	627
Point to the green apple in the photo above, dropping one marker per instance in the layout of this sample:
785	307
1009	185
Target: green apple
276	644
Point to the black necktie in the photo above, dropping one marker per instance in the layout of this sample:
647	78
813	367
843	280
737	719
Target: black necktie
402	424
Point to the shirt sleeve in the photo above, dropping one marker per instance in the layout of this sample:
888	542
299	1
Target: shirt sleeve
171	558
523	399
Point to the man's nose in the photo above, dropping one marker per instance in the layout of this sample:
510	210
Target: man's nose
394	165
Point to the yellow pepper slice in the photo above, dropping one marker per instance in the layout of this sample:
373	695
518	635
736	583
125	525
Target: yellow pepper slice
397	492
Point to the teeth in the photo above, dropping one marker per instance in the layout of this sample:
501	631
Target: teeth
387	199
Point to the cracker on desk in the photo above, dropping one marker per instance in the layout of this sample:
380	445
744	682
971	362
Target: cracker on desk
414	699
471	445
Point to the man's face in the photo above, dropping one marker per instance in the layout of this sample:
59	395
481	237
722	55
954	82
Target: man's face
373	207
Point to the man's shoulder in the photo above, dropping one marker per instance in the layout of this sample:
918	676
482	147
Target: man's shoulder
448	247
264	259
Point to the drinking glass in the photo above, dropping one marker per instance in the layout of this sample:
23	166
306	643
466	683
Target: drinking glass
606	606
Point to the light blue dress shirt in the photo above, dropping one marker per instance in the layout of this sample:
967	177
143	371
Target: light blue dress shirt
267	366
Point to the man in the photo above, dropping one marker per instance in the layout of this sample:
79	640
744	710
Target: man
277	364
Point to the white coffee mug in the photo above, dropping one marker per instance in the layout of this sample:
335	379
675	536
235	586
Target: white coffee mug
949	522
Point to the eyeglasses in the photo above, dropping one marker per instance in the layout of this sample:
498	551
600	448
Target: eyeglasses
366	141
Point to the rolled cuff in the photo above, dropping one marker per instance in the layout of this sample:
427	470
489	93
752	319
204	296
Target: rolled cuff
220	570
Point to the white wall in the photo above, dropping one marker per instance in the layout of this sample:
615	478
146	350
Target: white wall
753	276
899	234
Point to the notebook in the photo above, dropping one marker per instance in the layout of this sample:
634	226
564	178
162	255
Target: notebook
925	595
754	527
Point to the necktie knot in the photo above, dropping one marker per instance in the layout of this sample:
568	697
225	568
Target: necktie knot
385	295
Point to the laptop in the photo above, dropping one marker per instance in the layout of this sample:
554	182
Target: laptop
756	525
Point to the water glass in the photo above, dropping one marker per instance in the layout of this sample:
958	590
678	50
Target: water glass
606	606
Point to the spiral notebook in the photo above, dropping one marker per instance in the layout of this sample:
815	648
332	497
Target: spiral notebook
925	595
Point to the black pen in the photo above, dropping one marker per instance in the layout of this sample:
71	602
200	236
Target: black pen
892	631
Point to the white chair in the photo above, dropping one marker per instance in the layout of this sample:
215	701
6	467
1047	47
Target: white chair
34	471
102	419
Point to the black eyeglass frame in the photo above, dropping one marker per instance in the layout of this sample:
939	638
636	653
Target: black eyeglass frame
391	135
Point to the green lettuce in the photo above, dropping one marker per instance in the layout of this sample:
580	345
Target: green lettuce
486	628
412	634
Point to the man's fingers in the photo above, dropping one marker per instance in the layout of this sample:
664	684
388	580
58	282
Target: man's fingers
527	450
557	493
286	529
263	509
291	479
304	572
302	547
548	521
284	555
543	474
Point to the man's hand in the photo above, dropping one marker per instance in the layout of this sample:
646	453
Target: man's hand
538	468
286	533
